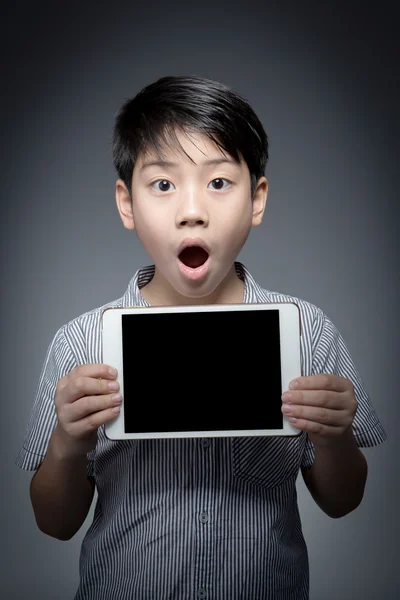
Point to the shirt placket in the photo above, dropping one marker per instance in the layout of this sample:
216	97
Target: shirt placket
204	520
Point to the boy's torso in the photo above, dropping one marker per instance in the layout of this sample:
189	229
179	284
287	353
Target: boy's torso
180	517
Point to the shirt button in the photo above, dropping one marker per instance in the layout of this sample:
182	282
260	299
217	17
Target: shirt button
201	593
206	443
203	517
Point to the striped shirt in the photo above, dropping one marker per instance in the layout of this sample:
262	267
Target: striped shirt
194	518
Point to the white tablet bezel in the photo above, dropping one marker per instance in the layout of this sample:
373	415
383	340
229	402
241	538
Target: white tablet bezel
290	332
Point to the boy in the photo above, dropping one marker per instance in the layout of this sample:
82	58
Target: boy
192	518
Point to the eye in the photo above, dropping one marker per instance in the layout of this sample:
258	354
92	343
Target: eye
163	182
219	181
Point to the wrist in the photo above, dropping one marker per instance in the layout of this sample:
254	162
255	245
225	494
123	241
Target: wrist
65	448
340	444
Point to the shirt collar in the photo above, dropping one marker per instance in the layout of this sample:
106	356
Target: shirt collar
143	276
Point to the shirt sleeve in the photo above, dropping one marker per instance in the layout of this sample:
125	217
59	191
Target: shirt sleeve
331	356
59	361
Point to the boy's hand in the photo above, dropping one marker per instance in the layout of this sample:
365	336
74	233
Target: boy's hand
84	401
322	405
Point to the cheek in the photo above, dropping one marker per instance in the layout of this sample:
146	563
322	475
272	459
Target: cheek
236	220
150	230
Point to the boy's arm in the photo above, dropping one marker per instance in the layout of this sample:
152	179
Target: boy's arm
61	493
324	406
337	478
333	407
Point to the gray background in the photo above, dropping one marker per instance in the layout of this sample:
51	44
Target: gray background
323	80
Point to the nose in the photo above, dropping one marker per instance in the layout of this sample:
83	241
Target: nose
191	212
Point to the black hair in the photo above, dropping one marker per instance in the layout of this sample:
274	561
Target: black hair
188	104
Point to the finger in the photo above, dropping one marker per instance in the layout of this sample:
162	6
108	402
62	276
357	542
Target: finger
81	386
324	381
94	370
91	404
318	414
332	400
317	428
92	421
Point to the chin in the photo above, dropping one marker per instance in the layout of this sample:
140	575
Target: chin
196	290
195	294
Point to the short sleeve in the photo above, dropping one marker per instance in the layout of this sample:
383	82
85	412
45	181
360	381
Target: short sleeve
331	356
59	361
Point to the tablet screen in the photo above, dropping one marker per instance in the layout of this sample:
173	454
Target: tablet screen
202	371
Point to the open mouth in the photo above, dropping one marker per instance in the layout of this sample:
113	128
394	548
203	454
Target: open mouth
193	257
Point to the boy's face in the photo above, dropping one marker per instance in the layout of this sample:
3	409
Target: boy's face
202	206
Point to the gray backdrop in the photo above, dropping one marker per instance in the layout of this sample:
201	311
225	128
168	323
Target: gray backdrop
323	80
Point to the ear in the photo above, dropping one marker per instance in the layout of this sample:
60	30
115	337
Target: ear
259	201
124	204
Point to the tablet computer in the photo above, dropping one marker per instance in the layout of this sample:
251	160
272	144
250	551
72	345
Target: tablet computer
202	371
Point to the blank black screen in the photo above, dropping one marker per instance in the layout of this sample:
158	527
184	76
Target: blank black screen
202	371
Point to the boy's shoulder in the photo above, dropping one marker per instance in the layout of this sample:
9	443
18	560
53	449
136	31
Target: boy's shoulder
255	293
269	297
313	319
131	297
88	321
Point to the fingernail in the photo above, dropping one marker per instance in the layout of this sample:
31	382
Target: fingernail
112	371
113	385
294	384
116	398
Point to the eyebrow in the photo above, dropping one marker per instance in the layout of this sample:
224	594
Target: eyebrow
164	163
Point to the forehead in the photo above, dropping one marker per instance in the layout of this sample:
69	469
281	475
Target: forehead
183	147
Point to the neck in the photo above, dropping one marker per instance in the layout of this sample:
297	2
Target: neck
159	292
